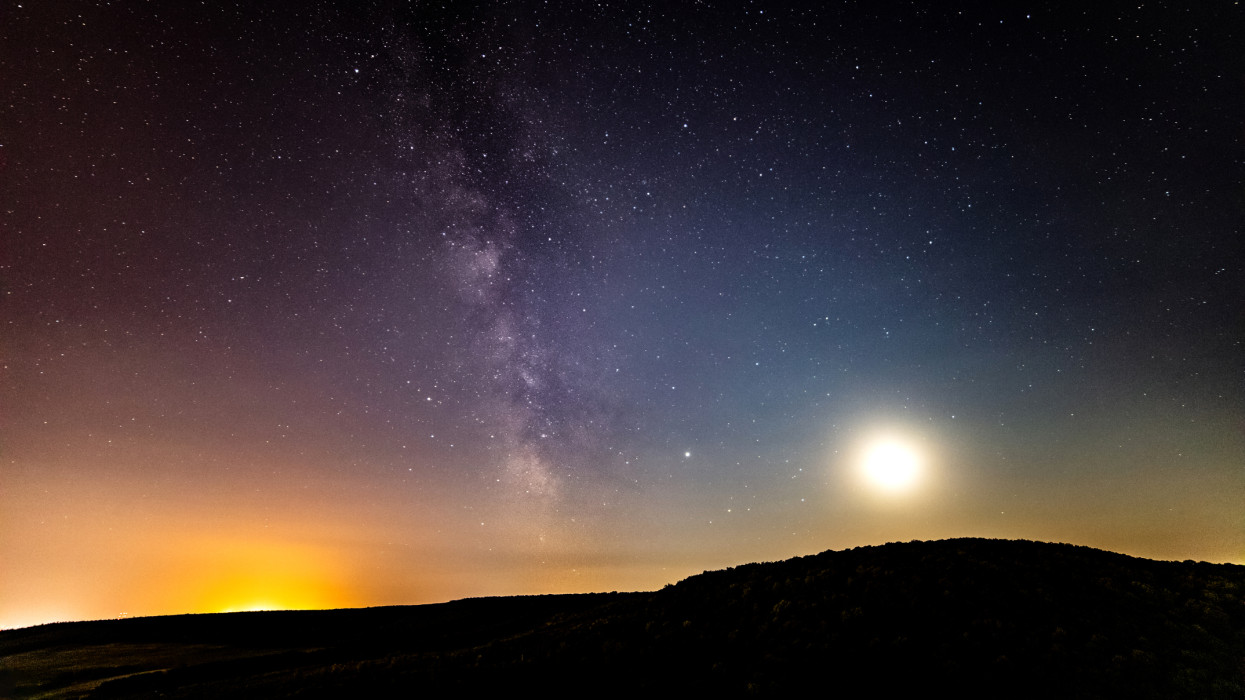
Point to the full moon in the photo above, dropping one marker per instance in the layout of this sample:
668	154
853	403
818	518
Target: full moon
891	465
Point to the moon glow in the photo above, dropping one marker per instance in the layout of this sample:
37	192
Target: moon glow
891	465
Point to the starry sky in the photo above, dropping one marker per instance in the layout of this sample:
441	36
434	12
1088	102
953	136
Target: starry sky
325	305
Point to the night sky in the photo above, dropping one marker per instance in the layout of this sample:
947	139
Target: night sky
308	305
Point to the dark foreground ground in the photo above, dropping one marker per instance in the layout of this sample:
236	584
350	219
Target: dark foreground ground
968	617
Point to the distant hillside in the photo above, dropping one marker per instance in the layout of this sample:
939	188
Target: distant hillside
970	617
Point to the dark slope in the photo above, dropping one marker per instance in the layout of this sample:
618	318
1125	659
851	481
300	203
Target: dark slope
72	658
974	617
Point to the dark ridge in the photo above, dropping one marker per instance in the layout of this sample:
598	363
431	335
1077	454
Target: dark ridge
964	617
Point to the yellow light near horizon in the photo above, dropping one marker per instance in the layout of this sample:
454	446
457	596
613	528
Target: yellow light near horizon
258	607
237	575
891	465
268	590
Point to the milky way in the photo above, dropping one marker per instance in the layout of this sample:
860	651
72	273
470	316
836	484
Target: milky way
447	301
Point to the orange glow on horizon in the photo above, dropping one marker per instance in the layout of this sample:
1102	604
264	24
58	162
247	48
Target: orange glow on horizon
233	575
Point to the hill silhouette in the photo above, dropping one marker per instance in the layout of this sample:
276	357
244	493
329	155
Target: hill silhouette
965	617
